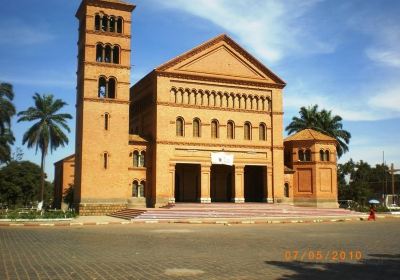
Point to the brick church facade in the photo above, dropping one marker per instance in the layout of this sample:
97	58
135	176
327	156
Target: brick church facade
162	140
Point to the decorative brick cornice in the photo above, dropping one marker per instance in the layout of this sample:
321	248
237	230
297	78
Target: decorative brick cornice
176	143
105	100
218	79
118	82
111	65
105	33
170	104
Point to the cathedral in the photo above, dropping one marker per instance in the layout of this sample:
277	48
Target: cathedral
206	126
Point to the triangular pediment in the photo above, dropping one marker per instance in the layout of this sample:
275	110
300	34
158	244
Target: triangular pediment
221	57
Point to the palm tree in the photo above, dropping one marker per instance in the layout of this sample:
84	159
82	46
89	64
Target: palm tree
7	110
322	121
47	130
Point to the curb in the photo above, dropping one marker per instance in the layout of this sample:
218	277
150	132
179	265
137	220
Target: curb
245	221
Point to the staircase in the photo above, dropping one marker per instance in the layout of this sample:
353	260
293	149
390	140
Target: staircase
180	211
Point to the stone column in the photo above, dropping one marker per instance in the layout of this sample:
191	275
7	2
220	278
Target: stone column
270	194
171	171
239	184
205	171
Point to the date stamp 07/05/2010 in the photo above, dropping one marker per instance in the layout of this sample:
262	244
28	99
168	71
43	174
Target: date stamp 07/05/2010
320	255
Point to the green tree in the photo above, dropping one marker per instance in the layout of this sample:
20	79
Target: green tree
20	183
322	121
47	131
7	110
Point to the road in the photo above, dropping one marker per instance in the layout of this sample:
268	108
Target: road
342	250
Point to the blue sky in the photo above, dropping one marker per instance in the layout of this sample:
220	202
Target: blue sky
343	55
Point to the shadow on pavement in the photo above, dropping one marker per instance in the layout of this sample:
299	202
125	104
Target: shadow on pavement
375	266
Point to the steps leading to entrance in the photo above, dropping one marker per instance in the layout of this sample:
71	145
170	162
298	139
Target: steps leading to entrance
228	210
127	214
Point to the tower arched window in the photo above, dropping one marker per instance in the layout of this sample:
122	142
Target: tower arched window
119	25
105	160
102	87
112	24
262	131
301	155
214	129
142	159
104	23
247	131
97	22
111	88
116	54
135	159
327	156
107	54
308	155
321	155
106	121
142	186
196	128
230	130
180	123
135	188
99	52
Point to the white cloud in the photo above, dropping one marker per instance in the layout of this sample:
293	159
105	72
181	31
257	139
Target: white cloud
17	33
271	29
371	106
384	56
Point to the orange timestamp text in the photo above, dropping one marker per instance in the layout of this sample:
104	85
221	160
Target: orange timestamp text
321	255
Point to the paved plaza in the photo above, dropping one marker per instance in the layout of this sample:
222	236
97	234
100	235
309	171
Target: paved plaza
348	250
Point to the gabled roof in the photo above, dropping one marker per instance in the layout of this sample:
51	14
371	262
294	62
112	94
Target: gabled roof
223	57
309	134
70	157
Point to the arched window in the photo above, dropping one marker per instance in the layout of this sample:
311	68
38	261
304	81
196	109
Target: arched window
142	158
301	155
308	155
321	155
105	160
247	131
262	131
99	52
104	23
180	123
107	54
135	187
97	21
112	24
116	55
135	159
286	190
214	129
111	88
327	157
230	130
106	120
102	87
141	191
196	128
119	25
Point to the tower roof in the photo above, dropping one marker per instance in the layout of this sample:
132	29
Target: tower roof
309	134
114	4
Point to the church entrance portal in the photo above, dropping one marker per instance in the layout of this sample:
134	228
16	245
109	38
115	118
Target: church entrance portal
221	183
254	183
187	182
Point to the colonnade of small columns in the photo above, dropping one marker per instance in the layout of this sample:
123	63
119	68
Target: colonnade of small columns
220	99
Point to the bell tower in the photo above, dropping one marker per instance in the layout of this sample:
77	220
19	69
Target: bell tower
102	106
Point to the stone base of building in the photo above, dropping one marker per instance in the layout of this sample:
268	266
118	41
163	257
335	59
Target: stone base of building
205	200
238	200
136	202
319	203
99	209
